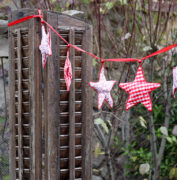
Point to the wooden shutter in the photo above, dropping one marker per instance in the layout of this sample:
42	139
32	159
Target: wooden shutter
69	114
25	97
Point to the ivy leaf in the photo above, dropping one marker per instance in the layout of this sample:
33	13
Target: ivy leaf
142	122
164	131
144	168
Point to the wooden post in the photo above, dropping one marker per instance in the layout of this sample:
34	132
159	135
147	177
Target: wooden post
74	114
25	106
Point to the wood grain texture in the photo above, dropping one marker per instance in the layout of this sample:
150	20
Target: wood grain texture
87	122
25	79
72	109
52	104
36	103
12	152
20	133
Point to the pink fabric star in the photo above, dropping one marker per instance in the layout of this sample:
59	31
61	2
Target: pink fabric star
68	71
139	90
174	81
45	45
103	88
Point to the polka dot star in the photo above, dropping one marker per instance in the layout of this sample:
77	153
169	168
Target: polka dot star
103	88
139	90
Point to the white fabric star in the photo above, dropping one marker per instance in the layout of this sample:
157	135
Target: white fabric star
174	81
103	88
45	45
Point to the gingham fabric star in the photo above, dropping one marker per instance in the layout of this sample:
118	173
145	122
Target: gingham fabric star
103	88
174	81
139	90
45	45
68	71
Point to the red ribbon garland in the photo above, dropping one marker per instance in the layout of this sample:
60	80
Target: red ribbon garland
79	49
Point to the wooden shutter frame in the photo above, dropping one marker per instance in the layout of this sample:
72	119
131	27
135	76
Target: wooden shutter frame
33	26
70	23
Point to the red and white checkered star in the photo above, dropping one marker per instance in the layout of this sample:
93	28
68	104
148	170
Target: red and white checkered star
174	81
103	88
45	45
139	90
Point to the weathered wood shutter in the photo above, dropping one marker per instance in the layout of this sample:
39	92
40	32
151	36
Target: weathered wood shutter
25	97
68	115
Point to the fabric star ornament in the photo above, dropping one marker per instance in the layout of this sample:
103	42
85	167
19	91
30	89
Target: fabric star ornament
45	45
139	90
174	81
68	71
103	88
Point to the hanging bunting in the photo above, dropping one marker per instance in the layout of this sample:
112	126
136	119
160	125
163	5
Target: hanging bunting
174	81
45	45
139	90
103	88
68	70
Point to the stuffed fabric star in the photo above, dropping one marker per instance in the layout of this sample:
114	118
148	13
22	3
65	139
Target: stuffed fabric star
68	71
103	88
174	81
45	46
139	90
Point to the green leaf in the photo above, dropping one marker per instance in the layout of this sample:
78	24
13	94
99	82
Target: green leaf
109	5
109	122
98	121
94	62
105	127
169	139
123	2
173	173
98	151
142	122
134	158
85	1
164	130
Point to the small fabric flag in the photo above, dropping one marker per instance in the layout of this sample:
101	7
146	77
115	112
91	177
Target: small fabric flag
139	90
103	88
45	45
174	81
68	71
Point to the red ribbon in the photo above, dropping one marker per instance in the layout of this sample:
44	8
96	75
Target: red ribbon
24	19
79	49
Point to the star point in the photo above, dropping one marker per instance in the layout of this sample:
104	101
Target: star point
103	88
